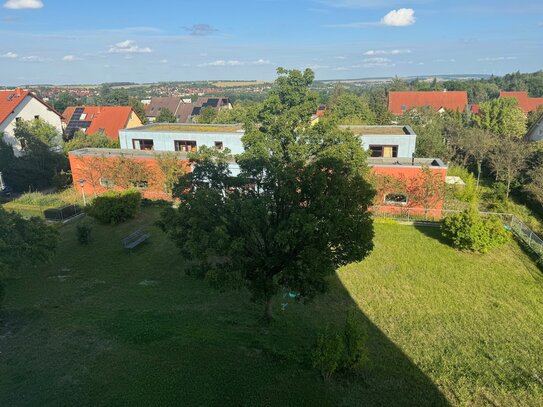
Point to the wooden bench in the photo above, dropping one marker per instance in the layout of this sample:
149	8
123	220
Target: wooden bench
131	241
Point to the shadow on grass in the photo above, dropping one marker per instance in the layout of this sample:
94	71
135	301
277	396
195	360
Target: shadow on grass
431	230
391	378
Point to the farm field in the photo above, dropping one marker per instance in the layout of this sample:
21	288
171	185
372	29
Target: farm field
103	327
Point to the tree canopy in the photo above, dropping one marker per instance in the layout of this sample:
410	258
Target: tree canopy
297	211
502	117
23	243
165	116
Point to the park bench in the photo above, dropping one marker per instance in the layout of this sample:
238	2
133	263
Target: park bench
131	241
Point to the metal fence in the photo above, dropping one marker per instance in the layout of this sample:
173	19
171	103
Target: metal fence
63	214
520	229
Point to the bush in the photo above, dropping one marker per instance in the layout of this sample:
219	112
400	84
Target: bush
83	233
345	350
115	207
469	231
328	353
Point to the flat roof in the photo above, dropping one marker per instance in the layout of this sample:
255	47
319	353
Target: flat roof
406	162
189	128
378	130
118	152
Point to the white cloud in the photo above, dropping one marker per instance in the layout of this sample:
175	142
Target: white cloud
489	59
128	47
387	52
70	58
445	60
340	57
221	62
9	55
399	18
377	60
402	17
32	58
163	61
23	4
261	62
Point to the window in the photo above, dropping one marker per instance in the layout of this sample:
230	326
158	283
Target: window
140	184
396	199
219	145
37	117
107	183
142	144
18	120
185	145
384	151
404	108
83	116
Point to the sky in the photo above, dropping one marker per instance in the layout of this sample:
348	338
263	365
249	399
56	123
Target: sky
73	42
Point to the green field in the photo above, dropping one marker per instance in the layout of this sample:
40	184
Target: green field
101	327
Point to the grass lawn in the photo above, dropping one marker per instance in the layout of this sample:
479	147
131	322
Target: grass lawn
102	327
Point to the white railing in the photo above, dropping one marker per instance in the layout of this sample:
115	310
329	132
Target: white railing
520	229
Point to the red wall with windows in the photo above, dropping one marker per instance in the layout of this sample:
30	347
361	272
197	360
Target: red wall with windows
91	169
413	178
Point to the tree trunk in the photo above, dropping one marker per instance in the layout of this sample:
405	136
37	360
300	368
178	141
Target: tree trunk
478	173
268	310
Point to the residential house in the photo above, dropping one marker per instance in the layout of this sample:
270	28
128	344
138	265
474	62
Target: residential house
391	157
16	105
184	137
401	102
386	141
526	103
92	119
183	109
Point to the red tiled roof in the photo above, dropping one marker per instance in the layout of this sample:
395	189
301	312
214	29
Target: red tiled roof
526	103
109	119
9	100
455	100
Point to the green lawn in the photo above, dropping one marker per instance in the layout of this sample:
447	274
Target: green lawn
101	327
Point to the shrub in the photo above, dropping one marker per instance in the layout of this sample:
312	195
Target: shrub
356	355
346	350
115	207
469	231
328	353
83	233
39	199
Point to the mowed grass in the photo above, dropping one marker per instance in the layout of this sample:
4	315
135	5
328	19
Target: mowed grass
103	327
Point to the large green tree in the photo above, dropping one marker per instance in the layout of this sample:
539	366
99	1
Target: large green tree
349	108
297	211
23	243
501	116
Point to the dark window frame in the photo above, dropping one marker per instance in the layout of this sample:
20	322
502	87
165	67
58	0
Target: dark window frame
404	200
189	145
145	141
374	149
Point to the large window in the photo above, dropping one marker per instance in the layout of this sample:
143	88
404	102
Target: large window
395	199
219	145
185	145
140	184
142	144
384	151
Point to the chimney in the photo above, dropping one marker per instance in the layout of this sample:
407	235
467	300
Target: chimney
18	92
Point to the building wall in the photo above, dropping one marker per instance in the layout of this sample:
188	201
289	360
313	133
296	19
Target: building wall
134	121
27	110
406	143
164	140
536	132
411	178
91	169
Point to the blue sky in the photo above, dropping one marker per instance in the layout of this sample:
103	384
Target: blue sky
67	42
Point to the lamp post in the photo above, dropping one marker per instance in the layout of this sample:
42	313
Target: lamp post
82	183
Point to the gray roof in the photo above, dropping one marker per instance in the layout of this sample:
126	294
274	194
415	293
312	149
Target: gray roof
118	152
406	162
